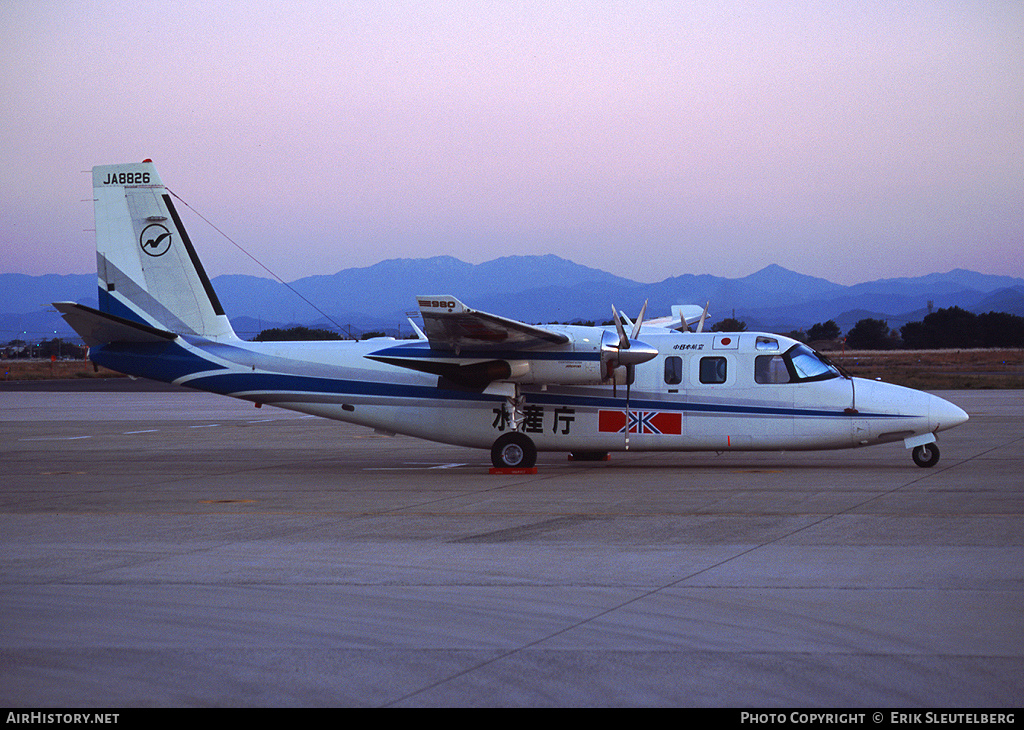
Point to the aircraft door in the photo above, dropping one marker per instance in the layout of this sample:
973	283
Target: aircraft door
860	428
774	394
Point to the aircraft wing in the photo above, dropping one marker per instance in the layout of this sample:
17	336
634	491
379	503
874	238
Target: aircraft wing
689	313
451	325
99	328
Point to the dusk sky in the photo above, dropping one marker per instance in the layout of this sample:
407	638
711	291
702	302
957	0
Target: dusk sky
851	141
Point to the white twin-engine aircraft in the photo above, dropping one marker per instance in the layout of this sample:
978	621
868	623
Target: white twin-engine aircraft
476	379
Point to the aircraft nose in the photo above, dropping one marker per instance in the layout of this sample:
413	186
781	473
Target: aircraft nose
944	414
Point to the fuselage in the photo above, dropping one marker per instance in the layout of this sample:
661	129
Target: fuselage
479	379
702	391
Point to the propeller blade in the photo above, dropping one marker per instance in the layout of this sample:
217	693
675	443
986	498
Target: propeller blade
627	353
623	340
700	325
639	321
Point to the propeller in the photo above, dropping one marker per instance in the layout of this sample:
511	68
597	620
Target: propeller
704	316
627	352
690	315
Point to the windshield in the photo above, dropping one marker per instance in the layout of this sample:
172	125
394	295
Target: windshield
808	365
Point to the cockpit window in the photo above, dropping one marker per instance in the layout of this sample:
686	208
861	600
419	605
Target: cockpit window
799	365
807	365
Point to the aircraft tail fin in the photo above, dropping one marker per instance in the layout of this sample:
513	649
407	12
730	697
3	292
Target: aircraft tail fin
148	270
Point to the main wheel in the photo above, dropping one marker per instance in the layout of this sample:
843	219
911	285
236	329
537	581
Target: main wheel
926	455
513	451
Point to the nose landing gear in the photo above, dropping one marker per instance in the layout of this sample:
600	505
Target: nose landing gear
926	455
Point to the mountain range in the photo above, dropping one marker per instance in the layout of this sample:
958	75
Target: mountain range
532	289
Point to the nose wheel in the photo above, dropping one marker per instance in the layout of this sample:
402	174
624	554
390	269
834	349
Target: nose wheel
926	455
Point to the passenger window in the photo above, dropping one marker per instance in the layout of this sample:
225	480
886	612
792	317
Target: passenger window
673	370
712	370
770	369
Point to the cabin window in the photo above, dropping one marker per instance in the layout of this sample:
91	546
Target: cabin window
712	370
766	343
770	369
673	370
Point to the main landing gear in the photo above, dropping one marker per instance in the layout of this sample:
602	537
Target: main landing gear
926	455
513	450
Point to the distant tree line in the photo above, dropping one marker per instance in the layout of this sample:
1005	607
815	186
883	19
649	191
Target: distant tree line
873	334
952	328
292	334
944	329
958	328
46	349
824	331
729	324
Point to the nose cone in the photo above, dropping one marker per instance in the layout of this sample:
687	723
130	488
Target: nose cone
942	414
634	353
637	353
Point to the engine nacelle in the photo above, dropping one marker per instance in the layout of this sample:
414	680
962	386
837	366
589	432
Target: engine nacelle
570	371
597	357
593	356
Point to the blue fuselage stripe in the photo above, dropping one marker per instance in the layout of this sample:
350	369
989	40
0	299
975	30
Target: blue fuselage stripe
164	361
259	383
234	383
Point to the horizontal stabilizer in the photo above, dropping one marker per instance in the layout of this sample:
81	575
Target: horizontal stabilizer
99	328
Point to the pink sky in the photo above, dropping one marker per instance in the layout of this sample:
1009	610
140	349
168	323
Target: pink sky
647	139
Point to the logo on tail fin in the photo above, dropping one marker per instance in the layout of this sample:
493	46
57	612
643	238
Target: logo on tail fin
155	240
